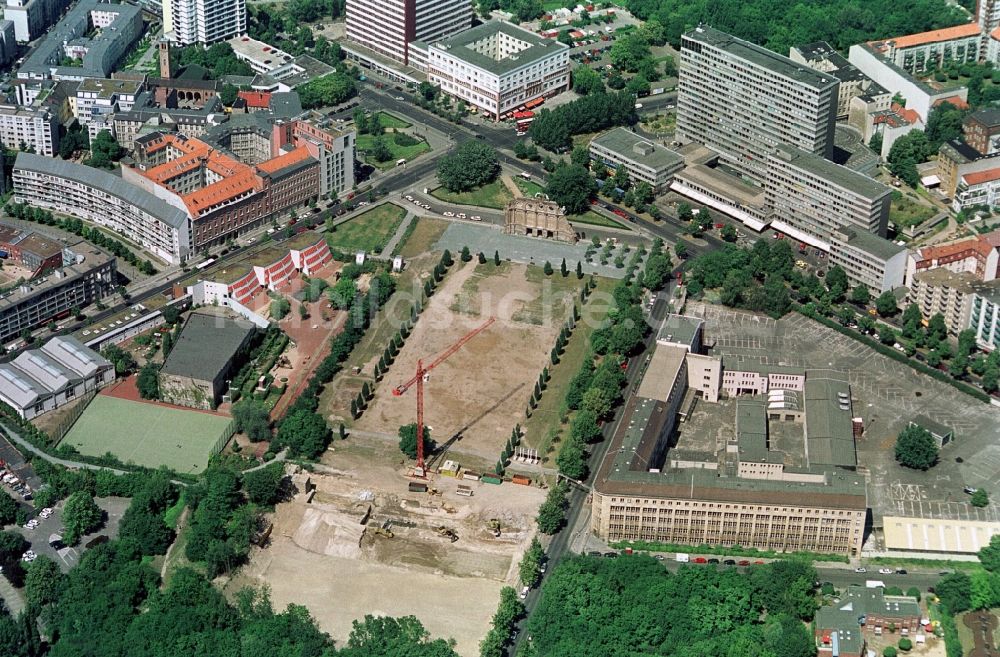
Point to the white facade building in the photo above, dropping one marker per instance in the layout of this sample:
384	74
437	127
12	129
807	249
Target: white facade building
984	318
90	194
498	67
203	21
97	100
977	188
37	129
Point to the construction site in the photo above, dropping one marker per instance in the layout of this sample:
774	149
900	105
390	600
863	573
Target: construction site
475	396
356	540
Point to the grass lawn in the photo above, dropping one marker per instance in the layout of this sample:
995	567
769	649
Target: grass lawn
543	427
369	231
398	152
557	303
527	187
392	121
594	219
905	212
423	234
494	195
151	435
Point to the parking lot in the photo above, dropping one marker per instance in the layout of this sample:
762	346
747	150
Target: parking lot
886	395
66	557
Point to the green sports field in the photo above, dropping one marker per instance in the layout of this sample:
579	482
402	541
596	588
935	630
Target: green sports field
150	435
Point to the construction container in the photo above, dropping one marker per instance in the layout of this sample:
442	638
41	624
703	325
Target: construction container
491	479
417	487
464	491
521	479
449	469
469	474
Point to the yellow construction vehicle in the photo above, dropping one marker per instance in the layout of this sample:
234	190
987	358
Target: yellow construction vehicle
494	525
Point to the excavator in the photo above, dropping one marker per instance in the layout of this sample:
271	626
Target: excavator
447	533
494	526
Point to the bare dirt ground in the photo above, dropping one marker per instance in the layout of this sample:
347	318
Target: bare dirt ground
483	389
325	554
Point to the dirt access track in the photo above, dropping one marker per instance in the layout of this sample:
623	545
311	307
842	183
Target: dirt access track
323	557
482	390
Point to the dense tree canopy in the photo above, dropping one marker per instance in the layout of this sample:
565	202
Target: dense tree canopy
473	164
915	448
305	433
594	112
906	153
81	515
332	89
633	606
779	24
408	440
571	187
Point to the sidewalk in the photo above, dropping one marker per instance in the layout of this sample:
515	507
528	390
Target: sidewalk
398	235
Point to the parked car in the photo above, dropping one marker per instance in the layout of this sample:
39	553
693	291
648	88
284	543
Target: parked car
713	561
730	562
861	570
524	592
700	560
885	571
901	571
969	490
743	562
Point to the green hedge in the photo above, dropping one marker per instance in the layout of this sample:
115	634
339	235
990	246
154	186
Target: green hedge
899	357
952	644
734	550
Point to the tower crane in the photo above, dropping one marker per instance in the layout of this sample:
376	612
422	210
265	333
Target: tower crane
421	376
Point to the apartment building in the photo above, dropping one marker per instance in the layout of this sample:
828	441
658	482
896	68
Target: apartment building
927	51
8	42
741	100
151	114
187	22
22	128
386	27
873	59
87	276
96	34
822	57
984	317
978	255
498	67
981	130
644	160
99	99
942	292
58	372
32	17
152	221
332	148
810	197
222	196
868	259
955	159
977	188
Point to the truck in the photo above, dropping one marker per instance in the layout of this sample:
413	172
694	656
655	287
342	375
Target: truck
874	584
416	487
683	557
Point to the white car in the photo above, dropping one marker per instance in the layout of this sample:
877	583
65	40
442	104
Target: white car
861	570
885	571
408	197
476	217
31	524
425	206
362	204
461	215
46	512
448	214
524	593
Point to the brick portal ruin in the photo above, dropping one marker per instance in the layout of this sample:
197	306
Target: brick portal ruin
537	217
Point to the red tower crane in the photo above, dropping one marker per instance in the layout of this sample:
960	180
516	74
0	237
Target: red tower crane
418	378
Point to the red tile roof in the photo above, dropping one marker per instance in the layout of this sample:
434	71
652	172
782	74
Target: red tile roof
980	177
937	36
256	99
288	159
957	101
